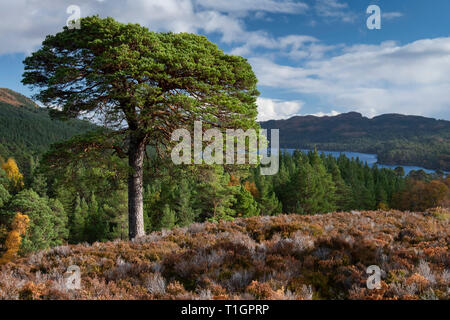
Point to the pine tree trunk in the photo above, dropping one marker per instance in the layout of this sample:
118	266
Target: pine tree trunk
135	188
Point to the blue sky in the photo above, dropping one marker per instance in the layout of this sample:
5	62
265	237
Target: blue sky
310	56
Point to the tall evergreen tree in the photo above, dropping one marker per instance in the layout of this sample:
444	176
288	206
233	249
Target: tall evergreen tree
153	82
246	205
267	200
167	218
184	202
78	221
216	195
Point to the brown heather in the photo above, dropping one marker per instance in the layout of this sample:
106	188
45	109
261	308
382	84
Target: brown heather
283	257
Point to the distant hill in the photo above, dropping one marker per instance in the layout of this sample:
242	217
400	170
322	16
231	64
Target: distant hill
10	97
395	138
26	130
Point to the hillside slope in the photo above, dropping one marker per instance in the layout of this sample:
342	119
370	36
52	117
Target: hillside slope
26	130
283	257
396	139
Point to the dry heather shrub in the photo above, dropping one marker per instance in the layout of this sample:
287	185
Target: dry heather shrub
429	295
403	290
121	270
418	280
175	288
306	292
261	291
156	284
286	257
239	280
445	277
238	239
196	228
60	251
424	270
205	294
32	291
10	286
302	242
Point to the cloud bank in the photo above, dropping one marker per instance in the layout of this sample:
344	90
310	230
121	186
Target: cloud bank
372	79
409	78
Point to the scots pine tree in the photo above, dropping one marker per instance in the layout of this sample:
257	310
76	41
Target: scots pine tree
144	85
167	218
246	206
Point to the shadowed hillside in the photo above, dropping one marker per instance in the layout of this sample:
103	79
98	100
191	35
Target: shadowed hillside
395	138
26	130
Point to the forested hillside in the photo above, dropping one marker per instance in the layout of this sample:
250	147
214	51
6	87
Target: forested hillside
26	130
396	139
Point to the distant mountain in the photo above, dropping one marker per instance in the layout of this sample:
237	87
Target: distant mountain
395	138
26	130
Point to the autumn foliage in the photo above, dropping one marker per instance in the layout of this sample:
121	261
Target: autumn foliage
14	239
283	257
13	173
420	195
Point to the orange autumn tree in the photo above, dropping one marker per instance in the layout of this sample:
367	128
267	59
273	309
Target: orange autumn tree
251	187
421	195
14	239
13	173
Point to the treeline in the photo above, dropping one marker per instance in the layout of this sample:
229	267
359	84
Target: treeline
431	152
86	200
396	139
313	183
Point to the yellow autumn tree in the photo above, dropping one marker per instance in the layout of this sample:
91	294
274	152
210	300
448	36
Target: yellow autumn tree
18	228
13	173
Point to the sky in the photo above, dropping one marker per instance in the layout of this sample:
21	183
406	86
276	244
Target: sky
310	56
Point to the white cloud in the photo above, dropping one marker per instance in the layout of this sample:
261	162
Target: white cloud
372	79
332	113
294	46
391	15
25	23
243	6
274	109
333	9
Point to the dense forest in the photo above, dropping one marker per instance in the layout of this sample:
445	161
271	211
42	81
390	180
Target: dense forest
86	200
396	139
26	130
